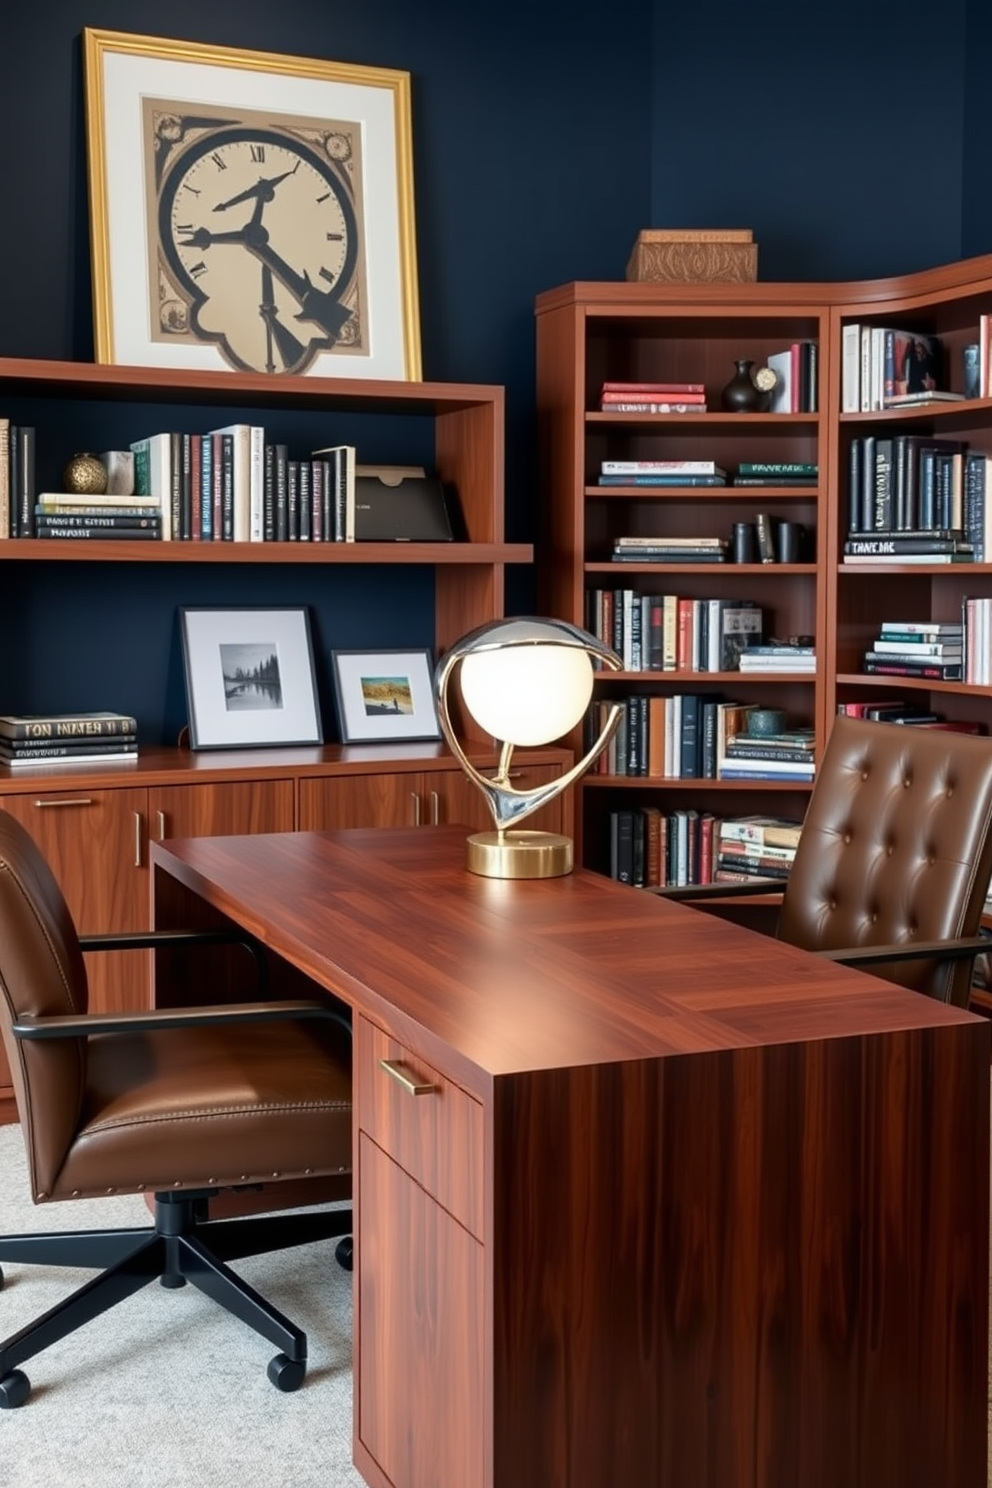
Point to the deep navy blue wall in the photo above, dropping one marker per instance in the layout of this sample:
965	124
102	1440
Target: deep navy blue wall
545	137
833	130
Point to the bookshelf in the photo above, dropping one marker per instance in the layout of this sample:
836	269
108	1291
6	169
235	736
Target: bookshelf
588	333
591	333
93	621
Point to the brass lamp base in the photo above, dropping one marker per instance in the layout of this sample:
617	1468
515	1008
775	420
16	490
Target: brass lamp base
520	854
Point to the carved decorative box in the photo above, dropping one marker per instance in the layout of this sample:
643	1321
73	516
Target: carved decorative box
694	255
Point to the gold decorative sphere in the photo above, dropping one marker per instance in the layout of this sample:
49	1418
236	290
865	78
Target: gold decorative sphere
85	475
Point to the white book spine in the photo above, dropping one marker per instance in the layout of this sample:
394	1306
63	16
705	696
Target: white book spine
256	484
850	394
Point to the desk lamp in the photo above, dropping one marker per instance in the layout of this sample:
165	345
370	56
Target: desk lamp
527	682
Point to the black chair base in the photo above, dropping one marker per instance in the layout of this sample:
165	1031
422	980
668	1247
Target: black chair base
182	1246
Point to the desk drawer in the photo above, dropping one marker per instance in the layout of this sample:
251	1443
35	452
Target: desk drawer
436	1134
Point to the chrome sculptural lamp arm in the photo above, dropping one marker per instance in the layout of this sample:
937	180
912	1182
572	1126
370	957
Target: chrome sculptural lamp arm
526	682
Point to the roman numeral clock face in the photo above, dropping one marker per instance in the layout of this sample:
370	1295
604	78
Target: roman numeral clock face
259	236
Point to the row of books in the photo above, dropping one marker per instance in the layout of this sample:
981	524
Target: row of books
689	736
671	632
652	397
795	369
911	714
915	484
889	367
759	473
650	848
61	738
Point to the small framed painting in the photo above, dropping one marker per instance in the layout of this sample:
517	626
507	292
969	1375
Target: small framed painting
383	695
250	678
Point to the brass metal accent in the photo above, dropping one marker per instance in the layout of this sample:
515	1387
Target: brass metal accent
521	854
66	801
137	839
397	1072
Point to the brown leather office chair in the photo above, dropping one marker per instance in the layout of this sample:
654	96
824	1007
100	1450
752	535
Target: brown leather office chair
175	1103
893	864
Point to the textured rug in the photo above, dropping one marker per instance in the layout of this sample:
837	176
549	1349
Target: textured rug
167	1390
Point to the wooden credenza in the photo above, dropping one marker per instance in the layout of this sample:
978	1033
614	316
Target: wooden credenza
95	826
674	1205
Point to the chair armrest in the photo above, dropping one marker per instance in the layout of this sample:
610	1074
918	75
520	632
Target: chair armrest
30	1027
147	940
920	950
733	890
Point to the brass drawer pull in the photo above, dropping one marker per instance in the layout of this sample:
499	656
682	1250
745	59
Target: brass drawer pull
399	1074
74	801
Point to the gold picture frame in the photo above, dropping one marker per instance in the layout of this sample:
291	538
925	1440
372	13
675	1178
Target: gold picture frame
250	211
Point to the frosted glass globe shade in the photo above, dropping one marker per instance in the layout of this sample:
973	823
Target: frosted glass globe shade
527	695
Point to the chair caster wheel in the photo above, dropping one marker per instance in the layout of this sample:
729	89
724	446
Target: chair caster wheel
344	1252
285	1373
15	1388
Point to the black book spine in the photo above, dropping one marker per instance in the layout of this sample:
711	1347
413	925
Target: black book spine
26	487
269	495
305	523
868	483
282	493
854	458
293	500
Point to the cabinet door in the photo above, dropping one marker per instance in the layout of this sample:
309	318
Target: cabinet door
420	1340
339	801
221	810
94	842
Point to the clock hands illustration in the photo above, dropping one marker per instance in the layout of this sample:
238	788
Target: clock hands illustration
315	304
264	190
290	349
221	224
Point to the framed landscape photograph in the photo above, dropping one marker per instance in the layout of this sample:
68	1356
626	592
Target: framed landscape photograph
250	677
250	211
383	695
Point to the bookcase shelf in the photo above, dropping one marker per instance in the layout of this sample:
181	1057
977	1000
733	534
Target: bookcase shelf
92	624
588	333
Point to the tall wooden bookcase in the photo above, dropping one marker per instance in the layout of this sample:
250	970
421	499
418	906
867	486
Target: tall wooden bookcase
94	823
588	333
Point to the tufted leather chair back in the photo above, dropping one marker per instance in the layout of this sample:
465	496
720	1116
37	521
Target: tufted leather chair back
41	972
896	847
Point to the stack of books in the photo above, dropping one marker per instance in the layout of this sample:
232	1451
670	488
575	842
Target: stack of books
662	549
888	366
777	473
61	738
785	756
919	648
661	473
755	847
652	397
779	656
65	514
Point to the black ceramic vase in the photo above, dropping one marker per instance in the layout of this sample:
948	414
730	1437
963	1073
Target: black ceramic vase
740	395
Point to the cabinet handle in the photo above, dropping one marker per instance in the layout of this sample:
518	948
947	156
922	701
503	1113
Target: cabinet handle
69	801
435	809
137	839
411	1085
416	808
161	825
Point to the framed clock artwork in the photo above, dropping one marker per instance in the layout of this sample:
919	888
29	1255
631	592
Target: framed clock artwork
250	212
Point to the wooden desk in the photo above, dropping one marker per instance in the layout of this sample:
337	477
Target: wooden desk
684	1208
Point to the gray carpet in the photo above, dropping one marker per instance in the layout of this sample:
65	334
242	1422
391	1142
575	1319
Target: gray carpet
167	1390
